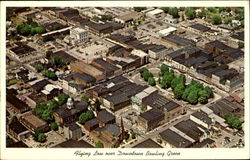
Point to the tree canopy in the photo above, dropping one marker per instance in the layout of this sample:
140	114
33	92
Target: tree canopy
190	13
139	9
99	144
88	115
30	28
233	122
216	19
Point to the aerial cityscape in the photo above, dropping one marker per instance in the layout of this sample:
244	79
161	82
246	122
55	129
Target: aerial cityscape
125	77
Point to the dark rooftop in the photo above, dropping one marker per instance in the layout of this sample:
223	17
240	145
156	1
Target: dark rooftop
16	102
200	27
92	122
72	126
205	142
19	144
73	144
219	45
67	58
105	116
152	114
64	112
203	117
85	77
239	36
38	86
149	143
17	127
114	129
178	40
22	49
158	48
175	139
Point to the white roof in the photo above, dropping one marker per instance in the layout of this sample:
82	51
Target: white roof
50	87
167	30
156	11
150	90
141	95
139	53
45	92
206	110
79	30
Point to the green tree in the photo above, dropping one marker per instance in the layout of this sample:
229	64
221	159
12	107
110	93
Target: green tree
212	9
54	126
165	9
58	61
38	67
164	69
224	9
241	45
139	9
52	104
47	115
62	99
41	137
209	92
83	118
48	38
151	81
174	12
97	105
107	17
193	97
99	144
85	98
90	114
216	19
203	99
146	75
49	54
190	13
228	20
179	90
202	14
240	13
233	122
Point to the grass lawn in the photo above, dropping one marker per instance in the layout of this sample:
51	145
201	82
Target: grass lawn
11	82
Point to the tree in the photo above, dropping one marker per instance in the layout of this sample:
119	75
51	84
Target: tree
190	13
83	118
179	90
85	98
133	134
240	13
97	105
62	99
151	81
49	74
193	97
54	126
241	45
146	75
209	92
233	122
58	61
203	99
228	20
99	144
38	67
47	115
216	19
212	9
139	9
90	114
224	9
174	12
48	38
142	71
106	17
167	79
202	14
41	137
164	69
165	9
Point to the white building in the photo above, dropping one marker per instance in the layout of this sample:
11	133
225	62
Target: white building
166	31
78	35
154	13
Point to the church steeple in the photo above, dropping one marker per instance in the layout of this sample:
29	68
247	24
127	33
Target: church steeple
122	130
